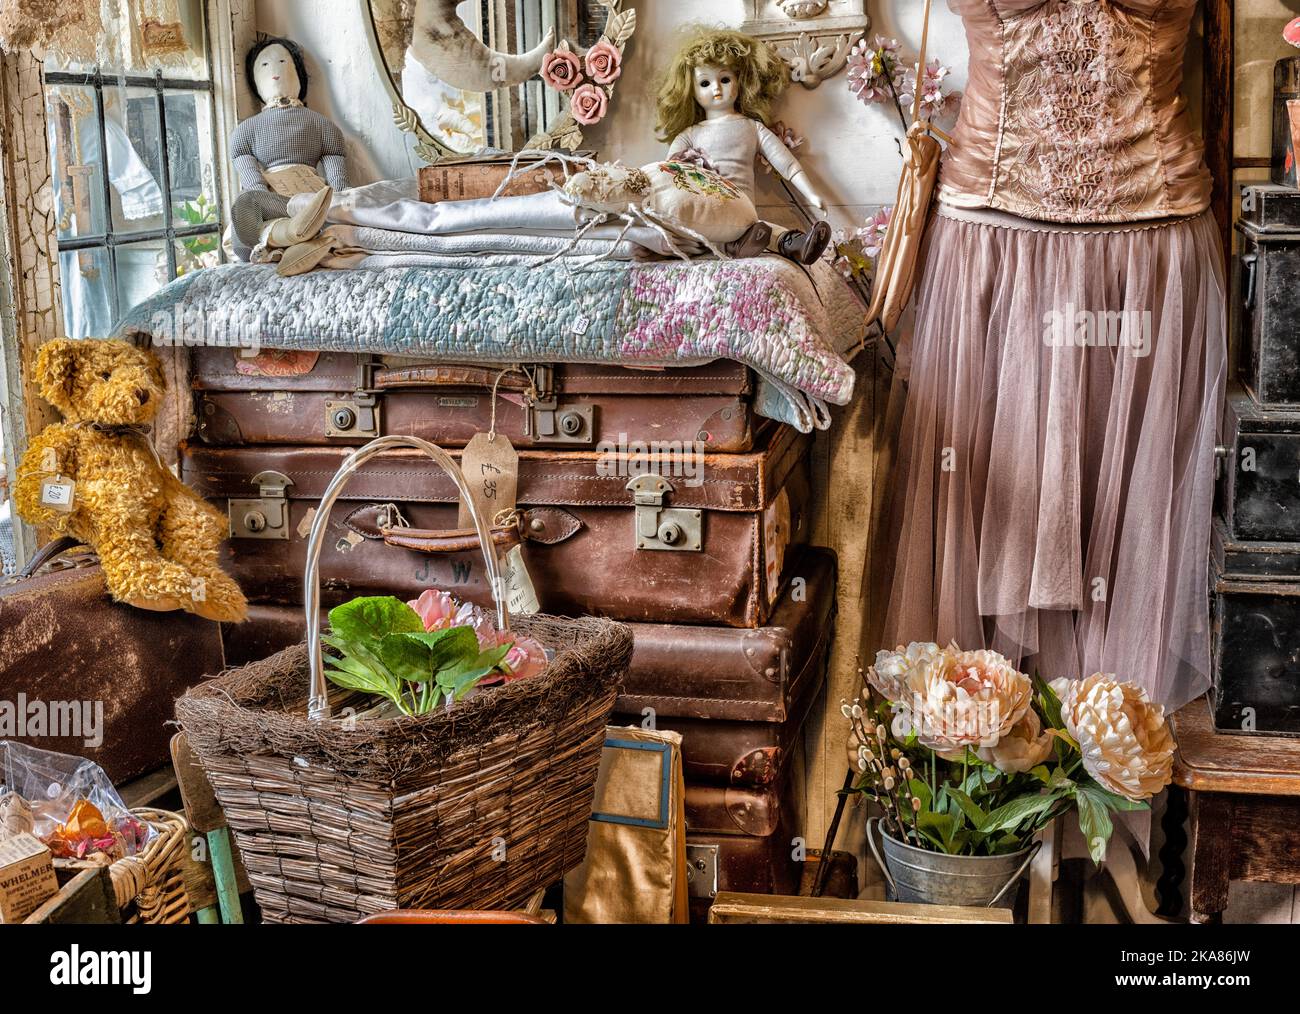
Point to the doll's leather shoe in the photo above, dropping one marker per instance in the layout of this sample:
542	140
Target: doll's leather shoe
753	243
303	257
304	225
805	247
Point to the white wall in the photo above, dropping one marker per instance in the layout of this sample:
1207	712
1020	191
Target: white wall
849	152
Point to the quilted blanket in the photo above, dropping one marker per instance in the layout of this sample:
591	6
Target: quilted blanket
785	323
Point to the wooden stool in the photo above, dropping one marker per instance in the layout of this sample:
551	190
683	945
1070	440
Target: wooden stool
1243	798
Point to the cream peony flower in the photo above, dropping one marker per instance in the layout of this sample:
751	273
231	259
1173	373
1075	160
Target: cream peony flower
889	673
1125	743
952	698
1024	747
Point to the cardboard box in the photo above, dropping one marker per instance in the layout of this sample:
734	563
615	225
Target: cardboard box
26	877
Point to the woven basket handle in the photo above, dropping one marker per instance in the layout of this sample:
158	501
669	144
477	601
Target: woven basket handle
318	707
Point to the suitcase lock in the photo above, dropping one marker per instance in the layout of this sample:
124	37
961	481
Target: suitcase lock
266	517
659	527
702	870
357	416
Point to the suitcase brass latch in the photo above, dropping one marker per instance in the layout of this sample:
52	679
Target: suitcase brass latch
702	871
659	527
547	420
357	416
266	517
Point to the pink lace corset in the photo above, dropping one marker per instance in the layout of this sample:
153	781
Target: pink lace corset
1073	112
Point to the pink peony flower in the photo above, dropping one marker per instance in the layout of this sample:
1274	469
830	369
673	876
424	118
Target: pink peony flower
439	611
436	609
562	70
590	104
604	62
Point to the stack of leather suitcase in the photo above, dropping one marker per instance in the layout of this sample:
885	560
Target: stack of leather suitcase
1255	580
702	553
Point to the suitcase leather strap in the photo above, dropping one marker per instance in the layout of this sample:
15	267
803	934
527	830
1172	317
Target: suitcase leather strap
545	525
451	376
465	540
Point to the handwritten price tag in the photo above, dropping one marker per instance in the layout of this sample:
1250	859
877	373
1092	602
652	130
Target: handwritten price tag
491	467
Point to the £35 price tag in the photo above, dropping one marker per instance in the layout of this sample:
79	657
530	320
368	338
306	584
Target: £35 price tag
491	466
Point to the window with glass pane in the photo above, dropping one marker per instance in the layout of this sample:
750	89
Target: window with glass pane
132	148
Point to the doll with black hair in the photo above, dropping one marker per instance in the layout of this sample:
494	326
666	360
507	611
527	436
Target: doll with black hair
286	148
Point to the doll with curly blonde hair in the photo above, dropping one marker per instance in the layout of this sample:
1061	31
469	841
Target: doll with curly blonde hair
714	105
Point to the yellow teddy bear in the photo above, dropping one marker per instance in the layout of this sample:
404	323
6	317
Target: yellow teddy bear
96	477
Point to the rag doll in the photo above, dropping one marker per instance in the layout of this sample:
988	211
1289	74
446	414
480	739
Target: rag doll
713	107
96	477
285	149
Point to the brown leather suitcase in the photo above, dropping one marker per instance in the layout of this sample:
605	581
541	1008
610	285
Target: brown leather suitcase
703	544
737	697
71	657
752	846
349	398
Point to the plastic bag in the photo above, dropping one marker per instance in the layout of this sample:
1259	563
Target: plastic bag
74	808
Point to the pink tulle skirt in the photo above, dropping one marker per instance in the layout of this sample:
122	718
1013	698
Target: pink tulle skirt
1056	459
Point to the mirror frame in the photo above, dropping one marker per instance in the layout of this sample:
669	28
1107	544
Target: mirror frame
565	133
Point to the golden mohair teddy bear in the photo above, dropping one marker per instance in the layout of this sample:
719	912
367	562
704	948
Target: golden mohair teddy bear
96	477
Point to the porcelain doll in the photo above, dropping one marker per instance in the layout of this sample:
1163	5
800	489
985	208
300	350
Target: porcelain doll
714	105
284	150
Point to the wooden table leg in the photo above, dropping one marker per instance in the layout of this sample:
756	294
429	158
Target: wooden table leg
1211	853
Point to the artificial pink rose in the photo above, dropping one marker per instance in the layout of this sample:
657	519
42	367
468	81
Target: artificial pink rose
590	104
436	609
561	69
525	658
604	62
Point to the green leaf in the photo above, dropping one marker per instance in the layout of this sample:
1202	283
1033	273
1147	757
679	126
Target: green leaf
364	683
1051	703
921	791
462	678
1042	774
943	824
446	649
372	618
1112	800
973	811
1009	816
1094	821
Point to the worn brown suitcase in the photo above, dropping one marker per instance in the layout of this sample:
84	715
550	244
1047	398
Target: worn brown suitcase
748	841
66	647
737	697
349	398
645	549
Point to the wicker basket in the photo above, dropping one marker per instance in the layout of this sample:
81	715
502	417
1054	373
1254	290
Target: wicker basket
153	879
474	808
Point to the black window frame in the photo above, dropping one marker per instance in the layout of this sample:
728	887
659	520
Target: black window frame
110	239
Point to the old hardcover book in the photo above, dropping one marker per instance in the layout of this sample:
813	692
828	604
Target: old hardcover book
477	179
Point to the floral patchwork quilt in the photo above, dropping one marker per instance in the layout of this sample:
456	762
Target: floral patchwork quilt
787	323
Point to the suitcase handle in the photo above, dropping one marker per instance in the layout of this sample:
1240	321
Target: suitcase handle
318	705
47	553
399	378
464	540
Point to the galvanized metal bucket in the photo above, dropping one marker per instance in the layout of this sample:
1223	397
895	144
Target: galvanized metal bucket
933	878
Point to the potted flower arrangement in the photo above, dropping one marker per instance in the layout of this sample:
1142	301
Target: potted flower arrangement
968	759
419	655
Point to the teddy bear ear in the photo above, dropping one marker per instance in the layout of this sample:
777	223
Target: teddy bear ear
56	370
